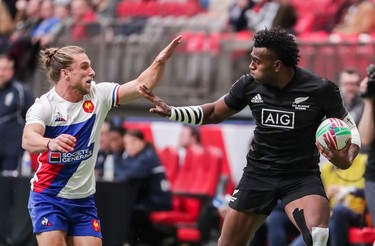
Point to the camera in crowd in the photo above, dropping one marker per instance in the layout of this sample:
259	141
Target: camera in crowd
371	82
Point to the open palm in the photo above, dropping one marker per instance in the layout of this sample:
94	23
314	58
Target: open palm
161	107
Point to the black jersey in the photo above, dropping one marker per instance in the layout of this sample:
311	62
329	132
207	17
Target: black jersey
286	121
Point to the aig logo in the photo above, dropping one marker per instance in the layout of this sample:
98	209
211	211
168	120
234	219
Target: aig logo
277	118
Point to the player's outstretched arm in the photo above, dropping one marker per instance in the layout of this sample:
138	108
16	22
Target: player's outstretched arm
150	77
208	113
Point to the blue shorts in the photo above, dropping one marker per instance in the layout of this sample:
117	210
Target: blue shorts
78	217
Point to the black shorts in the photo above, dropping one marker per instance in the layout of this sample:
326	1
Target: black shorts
260	194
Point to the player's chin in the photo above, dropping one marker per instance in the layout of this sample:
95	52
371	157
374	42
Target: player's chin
252	74
86	88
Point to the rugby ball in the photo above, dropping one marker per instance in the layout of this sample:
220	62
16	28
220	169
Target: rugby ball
336	131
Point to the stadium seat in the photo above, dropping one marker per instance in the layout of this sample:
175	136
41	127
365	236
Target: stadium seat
207	175
361	236
152	9
212	136
199	231
193	190
125	9
313	15
170	160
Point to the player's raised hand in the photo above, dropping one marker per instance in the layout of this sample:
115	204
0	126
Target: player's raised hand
167	52
161	107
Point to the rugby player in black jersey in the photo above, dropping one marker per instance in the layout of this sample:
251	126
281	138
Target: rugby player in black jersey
288	103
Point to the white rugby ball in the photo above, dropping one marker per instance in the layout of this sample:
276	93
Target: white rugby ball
336	131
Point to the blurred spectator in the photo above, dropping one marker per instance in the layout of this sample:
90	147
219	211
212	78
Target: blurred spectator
111	159
116	142
105	10
116	149
237	19
366	128
20	14
262	15
62	13
189	136
32	19
15	100
358	18
104	149
348	81
286	16
82	14
219	6
22	50
272	13
11	6
345	191
6	27
280	230
141	163
49	21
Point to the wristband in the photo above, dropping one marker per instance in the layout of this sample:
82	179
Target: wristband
356	138
192	115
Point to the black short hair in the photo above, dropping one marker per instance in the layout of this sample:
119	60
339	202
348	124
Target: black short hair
136	133
194	131
280	42
119	129
352	70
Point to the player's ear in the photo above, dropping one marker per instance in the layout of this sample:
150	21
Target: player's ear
277	65
64	73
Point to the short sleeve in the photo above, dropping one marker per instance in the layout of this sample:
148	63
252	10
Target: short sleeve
109	93
332	100
236	98
38	113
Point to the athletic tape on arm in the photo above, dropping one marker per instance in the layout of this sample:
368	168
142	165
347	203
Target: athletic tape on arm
192	115
356	139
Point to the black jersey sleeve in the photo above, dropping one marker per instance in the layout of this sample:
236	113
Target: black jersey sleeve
236	98
332	100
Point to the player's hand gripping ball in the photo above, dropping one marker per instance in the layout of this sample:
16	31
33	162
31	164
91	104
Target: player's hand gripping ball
336	131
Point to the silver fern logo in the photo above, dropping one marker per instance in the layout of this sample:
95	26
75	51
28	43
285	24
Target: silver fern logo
297	103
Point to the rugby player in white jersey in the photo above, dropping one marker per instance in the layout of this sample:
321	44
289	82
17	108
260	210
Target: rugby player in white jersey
63	125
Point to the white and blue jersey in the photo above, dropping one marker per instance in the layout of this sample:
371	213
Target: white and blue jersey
71	175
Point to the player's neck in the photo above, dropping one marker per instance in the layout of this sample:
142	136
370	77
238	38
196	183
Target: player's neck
68	94
286	77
